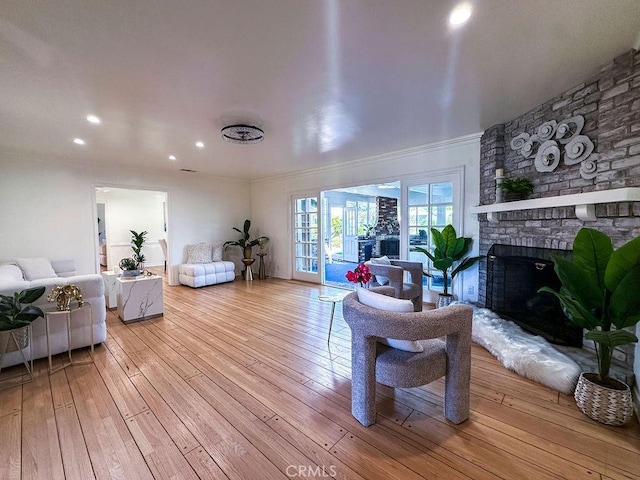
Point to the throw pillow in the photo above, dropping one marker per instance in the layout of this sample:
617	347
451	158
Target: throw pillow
216	254
35	268
199	253
9	272
390	304
381	261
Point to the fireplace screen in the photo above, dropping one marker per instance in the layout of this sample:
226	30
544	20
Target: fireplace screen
514	275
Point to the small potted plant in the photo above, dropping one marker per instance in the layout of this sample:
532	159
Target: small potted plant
516	188
245	241
449	253
600	293
129	267
16	314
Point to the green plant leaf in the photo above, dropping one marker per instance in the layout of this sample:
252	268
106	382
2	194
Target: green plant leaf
591	252
466	263
30	295
613	338
574	309
622	260
624	305
456	248
438	241
581	284
426	252
443	263
29	314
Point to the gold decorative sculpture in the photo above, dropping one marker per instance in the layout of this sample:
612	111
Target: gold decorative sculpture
63	294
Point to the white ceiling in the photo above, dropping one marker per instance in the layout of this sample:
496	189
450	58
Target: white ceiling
328	81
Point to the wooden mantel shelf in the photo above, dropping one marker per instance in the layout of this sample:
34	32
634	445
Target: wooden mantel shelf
584	202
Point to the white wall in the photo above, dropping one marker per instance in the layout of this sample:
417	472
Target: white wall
49	210
270	198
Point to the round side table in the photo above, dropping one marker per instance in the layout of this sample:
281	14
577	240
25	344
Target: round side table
335	298
248	274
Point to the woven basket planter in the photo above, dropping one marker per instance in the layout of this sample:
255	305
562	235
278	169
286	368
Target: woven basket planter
12	340
603	404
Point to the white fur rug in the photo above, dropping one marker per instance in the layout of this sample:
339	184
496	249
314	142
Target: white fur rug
528	355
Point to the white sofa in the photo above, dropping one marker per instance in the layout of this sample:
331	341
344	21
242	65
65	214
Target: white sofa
21	274
205	266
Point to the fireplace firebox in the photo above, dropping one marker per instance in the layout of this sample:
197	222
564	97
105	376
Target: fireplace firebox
514	275
390	247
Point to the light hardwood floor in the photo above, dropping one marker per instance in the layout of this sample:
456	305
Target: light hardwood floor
236	381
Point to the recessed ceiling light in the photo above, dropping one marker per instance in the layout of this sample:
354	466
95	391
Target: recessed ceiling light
199	144
172	157
79	141
460	14
93	119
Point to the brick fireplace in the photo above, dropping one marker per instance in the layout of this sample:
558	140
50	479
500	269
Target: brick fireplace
387	229
610	105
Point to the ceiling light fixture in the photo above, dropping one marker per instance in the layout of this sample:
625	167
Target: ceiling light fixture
172	157
460	14
245	134
79	141
199	144
93	119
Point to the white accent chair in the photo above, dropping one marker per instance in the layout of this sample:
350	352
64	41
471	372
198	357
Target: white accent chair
163	246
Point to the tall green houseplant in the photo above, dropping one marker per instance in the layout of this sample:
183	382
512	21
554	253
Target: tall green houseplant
245	241
449	254
601	292
137	242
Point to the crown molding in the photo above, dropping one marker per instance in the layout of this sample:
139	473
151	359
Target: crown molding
374	160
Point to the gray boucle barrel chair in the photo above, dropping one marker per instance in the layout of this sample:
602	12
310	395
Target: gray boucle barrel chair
373	361
393	273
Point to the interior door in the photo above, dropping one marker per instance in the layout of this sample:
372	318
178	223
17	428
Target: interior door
350	232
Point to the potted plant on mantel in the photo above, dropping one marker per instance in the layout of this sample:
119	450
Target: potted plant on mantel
600	293
449	250
245	241
517	188
16	313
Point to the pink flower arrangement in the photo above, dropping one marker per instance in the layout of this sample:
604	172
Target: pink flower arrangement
360	274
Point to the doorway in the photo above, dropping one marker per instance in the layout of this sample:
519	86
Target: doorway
350	216
120	210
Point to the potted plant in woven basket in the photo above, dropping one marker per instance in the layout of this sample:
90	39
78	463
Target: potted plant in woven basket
16	314
599	292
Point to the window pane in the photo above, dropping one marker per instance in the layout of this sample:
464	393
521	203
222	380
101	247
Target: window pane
442	192
441	216
418	195
430	206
